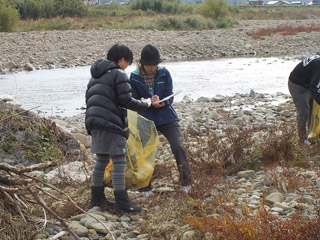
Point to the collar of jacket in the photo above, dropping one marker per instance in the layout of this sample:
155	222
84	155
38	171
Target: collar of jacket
137	71
139	78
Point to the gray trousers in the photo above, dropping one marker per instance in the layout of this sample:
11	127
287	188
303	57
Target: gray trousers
303	101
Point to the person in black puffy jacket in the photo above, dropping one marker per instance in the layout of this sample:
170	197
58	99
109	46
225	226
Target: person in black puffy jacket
108	96
304	86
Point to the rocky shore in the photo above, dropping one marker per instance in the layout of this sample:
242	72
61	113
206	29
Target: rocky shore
65	49
268	189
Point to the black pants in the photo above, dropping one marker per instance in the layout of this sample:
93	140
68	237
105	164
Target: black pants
172	133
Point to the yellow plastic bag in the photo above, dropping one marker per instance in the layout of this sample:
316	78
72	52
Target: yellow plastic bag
141	150
314	129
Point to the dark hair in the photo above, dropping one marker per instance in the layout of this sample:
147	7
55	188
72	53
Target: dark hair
118	51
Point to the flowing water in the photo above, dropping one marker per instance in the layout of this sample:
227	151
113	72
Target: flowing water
61	92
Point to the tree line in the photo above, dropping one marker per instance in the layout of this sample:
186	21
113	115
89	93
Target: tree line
13	10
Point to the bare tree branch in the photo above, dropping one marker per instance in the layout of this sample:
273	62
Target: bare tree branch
7	189
18	170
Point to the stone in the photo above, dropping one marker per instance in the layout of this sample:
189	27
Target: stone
73	170
284	206
286	113
238	122
277	209
29	67
190	235
187	98
79	229
213	115
246	174
10	65
40	236
82	139
274	197
100	228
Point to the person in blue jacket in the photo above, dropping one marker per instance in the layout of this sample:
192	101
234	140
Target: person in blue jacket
304	82
150	80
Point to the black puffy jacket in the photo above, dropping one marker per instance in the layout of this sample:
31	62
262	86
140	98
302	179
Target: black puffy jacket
307	74
108	97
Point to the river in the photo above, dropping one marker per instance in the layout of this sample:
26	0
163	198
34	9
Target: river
60	92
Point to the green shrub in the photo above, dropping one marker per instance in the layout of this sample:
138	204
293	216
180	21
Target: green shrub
253	162
216	9
170	23
113	9
53	24
162	6
248	12
34	9
226	23
8	16
29	9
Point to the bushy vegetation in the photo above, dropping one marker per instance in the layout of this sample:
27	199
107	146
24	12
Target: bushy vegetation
139	14
239	149
8	16
35	142
34	9
163	6
216	9
275	12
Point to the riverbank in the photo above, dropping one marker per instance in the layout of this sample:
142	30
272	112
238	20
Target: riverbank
212	129
65	49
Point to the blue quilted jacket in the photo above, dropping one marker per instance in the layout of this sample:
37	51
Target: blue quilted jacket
162	87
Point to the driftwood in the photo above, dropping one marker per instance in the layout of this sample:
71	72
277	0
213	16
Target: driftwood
17	185
20	189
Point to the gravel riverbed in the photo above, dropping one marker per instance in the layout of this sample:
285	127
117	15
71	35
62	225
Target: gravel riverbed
65	49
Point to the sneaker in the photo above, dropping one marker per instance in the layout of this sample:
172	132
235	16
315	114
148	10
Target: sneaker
186	189
306	142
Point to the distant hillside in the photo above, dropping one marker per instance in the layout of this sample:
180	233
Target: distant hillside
231	2
241	2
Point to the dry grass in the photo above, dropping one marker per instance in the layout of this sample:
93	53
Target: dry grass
10	225
210	208
262	226
286	30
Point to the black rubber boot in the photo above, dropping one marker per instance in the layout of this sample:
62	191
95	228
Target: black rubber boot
147	188
98	198
185	175
123	203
